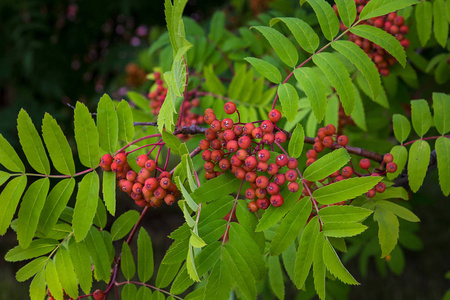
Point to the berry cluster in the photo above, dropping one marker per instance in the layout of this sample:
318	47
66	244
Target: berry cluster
391	23
158	95
240	148
327	138
142	187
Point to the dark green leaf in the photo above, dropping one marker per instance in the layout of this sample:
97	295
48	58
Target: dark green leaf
125	119
296	142
129	292
339	77
9	199
334	264
398	210
219	282
216	188
30	209
127	263
443	154
402	127
383	39
303	33
343	214
319	271
81	262
123	224
9	158
362	62
86	205
283	47
32	144
212	82
327	164
166	273
377	8
266	69
57	146
145	256
241	272
56	200
419	157
276	277
421	116
343	229
388	229
52	279
358	115
347	11
217	28
171	141
66	273
86	136
441	108
291	226
440	26
328	20
424	13
314	90
289	100
99	254
31	268
144	293
190	264
107	124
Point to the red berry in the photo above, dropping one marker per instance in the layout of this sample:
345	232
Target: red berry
327	141
311	154
272	169
229	108
257	133
251	176
206	155
107	159
209	166
380	187
280	137
235	161
250	162
232	146
169	199
227	123
204	144
279	179
293	187
347	172
274	115
250	193
98	295
291	175
276	200
260	193
388	157
281	160
252	206
318	147
273	188
262	182
242	154
292	163
391	167
263	155
216	126
238	130
330	129
240	173
229	135
310	161
216	144
150	165
248	128
224	164
165	183
364	164
120	159
263	203
262	166
342	140
268	138
244	142
209	118
141	159
126	185
267	126
371	193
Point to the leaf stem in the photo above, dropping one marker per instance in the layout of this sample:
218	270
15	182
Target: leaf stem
227	229
149	286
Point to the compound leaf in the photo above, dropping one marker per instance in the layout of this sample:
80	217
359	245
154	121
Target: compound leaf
109	191
343	229
347	11
388	229
440	27
82	264
296	142
398	210
266	69
424	17
99	254
31	268
52	279
343	214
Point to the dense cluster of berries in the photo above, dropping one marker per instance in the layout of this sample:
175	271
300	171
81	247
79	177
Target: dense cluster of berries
158	95
240	148
391	23
327	138
143	187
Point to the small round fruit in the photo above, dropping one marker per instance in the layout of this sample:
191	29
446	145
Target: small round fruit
371	193
342	140
263	203
311	154
364	163
281	160
273	188
293	187
263	155
380	187
291	175
150	165
120	159
229	108
330	129
252	206
204	144
169	199
347	172
327	141
273	169
388	157
141	159
391	167
274	115
98	295
280	137
267	126
250	193
292	163
277	200
248	128
244	142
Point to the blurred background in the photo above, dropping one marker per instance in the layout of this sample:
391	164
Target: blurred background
54	53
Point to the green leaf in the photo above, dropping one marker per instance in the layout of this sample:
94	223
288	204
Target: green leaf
32	144
171	141
82	264
383	39
296	142
283	47
273	214
217	27
86	136
66	273
276	276
157	295
327	164
212	82
332	112
305	36
219	282
57	146
52	279
289	100
304	257
127	263
125	121
175	25
196	241
190	265
216	188
266	69
86	205
55	203
109	191
129	291
362	62
419	157
240	270
186	213
440	26
288	257
99	254
291	226
334	264
37	286
31	268
358	115
421	116
377	8
343	214
402	127
424	13
123	224
145	256
347	12
398	210
443	153
441	109
392	192
166	273
388	229
319	271
400	156
315	91
144	293
9	199
30	209
328	20
339	77
343	229
4	177
138	100
9	158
